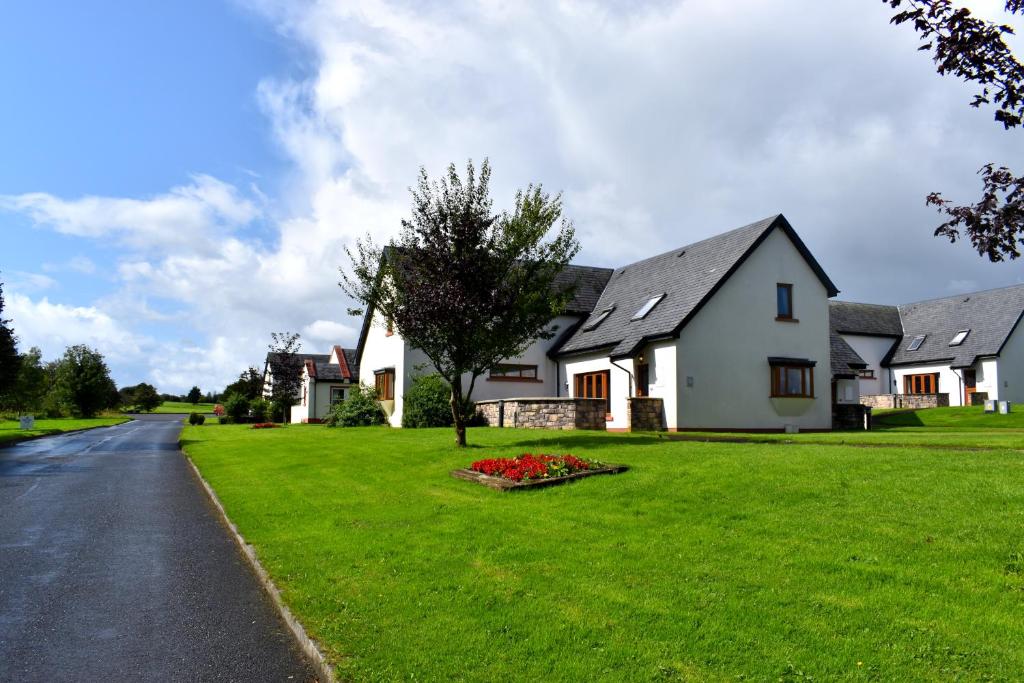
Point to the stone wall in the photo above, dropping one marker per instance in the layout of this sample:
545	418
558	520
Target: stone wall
850	416
545	413
645	414
978	398
914	401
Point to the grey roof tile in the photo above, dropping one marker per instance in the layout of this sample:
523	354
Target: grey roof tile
848	317
844	359
990	316
687	276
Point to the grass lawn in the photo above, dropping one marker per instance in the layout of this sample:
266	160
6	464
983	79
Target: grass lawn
10	430
181	407
706	561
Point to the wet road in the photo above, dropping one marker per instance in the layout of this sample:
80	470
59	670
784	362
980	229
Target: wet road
114	566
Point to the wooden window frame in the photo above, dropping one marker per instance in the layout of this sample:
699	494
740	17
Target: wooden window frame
331	395
866	373
384	383
779	315
778	374
598	379
514	372
919	384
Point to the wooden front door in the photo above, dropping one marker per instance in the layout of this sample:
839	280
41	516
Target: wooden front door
970	385
643	379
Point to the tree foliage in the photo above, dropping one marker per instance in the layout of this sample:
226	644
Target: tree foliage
249	384
9	360
975	51
142	398
30	387
360	409
195	394
467	287
426	402
285	367
83	382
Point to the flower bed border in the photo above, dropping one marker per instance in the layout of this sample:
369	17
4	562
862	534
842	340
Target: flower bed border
502	484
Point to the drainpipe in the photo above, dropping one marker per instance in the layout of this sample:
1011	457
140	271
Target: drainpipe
629	392
960	382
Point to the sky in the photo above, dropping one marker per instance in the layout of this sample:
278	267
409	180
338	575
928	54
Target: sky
181	179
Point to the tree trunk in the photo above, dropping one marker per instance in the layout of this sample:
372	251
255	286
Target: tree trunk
458	416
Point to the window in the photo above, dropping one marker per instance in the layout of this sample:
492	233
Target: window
508	372
792	381
921	384
784	301
592	325
959	338
643	379
647	307
866	373
385	384
916	342
337	395
594	385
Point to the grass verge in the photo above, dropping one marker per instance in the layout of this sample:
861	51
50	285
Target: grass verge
11	432
704	561
183	408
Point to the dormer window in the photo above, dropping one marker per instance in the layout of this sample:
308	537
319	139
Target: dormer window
958	339
916	342
592	325
647	307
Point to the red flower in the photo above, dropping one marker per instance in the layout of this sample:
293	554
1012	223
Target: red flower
529	466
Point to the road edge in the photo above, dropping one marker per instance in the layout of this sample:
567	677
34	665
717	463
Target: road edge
33	437
306	644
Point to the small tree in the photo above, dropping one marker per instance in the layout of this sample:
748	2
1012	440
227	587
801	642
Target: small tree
285	367
83	381
360	409
195	394
10	362
425	403
31	384
249	384
145	398
236	407
465	286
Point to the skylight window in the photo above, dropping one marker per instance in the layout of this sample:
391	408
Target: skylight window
647	307
916	343
598	320
959	338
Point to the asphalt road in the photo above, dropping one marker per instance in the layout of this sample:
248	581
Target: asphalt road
114	566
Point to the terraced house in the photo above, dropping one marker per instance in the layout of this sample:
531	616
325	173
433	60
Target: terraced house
950	351
731	332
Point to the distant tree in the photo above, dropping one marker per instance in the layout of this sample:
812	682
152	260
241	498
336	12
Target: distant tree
83	381
194	395
249	384
467	287
146	398
32	384
974	50
285	367
9	360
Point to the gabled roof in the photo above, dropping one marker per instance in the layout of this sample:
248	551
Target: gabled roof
688	276
877	320
304	357
991	317
844	359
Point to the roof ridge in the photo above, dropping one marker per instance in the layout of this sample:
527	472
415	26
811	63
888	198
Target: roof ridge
954	296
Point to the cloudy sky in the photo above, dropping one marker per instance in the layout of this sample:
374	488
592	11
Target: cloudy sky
181	179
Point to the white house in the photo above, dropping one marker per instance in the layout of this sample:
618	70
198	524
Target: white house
326	380
958	345
731	332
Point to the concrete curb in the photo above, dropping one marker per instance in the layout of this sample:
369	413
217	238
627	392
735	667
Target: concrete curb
306	644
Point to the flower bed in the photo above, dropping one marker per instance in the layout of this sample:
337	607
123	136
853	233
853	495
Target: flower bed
264	425
532	470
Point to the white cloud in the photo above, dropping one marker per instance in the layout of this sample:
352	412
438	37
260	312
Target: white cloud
325	333
187	218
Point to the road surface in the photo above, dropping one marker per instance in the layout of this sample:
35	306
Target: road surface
114	566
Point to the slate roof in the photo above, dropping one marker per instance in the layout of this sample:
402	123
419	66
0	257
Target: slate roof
844	359
688	276
590	281
315	357
848	317
990	316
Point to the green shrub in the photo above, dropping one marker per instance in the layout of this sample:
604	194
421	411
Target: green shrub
196	419
237	407
259	409
360	409
427	403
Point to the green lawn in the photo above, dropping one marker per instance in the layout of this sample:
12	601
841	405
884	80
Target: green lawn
706	561
181	407
10	430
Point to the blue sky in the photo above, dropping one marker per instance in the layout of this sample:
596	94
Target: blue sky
180	179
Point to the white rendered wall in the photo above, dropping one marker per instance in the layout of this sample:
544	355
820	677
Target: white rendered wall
618	383
300	412
847	391
661	357
380	352
950	381
987	377
1011	368
725	348
873	350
